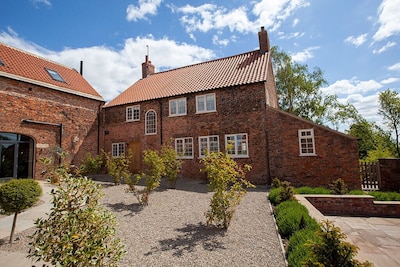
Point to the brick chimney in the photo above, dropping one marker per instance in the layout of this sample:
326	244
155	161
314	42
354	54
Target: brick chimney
264	40
147	68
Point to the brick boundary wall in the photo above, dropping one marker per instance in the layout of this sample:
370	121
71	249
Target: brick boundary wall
354	206
389	174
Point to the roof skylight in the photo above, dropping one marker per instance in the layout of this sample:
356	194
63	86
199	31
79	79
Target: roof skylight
1	62
55	75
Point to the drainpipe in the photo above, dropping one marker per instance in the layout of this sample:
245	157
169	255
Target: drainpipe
161	116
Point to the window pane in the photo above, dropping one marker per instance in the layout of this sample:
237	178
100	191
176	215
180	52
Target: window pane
214	146
200	103
172	107
182	106
210	102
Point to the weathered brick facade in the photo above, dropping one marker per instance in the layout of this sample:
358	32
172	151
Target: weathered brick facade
78	115
336	153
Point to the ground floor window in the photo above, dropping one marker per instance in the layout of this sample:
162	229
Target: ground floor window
16	156
306	142
237	145
118	149
184	147
208	144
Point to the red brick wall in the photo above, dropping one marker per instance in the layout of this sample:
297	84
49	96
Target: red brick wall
337	154
239	110
19	101
389	174
354	206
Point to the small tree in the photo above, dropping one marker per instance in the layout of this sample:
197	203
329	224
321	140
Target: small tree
171	162
331	250
18	195
78	231
118	168
390	110
227	181
338	187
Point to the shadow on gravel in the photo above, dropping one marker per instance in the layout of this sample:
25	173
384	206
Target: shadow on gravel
189	237
133	208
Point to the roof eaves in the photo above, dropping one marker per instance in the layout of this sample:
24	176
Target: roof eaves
51	86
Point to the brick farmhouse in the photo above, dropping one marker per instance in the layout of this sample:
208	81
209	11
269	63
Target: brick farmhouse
199	107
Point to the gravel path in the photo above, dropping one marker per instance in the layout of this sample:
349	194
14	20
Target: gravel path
171	230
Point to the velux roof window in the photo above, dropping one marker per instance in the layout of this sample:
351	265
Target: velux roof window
1	62
55	75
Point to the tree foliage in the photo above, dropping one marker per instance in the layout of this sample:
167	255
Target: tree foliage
299	92
78	231
390	110
373	141
227	180
17	195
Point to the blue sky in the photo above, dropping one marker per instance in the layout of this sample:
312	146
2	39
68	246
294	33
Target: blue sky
356	43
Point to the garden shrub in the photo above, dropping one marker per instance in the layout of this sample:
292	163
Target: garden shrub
172	163
79	231
291	216
55	172
92	164
331	250
306	190
297	252
385	196
17	195
227	180
338	187
274	195
276	182
356	192
118	168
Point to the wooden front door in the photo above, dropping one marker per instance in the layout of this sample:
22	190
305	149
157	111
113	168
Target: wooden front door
136	160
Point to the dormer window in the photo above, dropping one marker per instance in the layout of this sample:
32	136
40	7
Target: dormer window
55	75
1	62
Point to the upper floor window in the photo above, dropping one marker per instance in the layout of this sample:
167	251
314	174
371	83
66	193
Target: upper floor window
306	142
118	149
133	113
151	122
55	75
177	107
184	147
208	144
205	103
237	145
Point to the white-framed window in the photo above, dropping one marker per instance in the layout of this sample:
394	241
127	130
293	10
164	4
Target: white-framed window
237	145
151	122
177	107
184	147
118	149
306	142
133	113
208	144
205	103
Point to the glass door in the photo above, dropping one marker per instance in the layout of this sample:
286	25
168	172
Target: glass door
7	162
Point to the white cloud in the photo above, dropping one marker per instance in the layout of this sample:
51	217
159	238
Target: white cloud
295	22
111	71
384	48
217	41
283	36
352	86
389	19
356	40
304	55
395	67
390	80
36	2
208	17
145	7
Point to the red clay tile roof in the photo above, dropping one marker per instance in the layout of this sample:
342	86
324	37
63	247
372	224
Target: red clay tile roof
27	67
240	69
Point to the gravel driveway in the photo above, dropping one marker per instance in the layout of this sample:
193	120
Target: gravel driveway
171	230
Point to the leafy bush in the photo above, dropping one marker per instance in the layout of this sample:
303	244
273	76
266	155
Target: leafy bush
297	252
291	216
283	192
17	195
385	196
276	182
92	164
118	168
78	231
306	190
171	163
274	195
54	172
227	181
331	250
338	187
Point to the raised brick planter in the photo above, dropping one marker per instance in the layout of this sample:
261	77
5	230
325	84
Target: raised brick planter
354	206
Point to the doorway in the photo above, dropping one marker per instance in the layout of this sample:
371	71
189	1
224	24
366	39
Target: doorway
136	160
16	156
